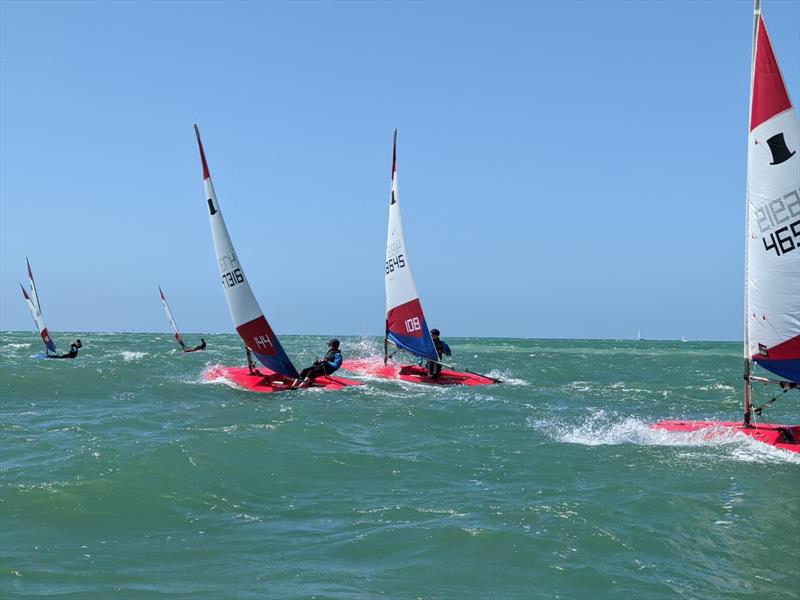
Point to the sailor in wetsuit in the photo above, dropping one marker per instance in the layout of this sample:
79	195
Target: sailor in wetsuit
434	368
202	346
329	363
73	351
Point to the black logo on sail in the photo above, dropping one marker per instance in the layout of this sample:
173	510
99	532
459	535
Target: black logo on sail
780	152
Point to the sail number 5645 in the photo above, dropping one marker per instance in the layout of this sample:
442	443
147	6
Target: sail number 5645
781	240
231	278
395	262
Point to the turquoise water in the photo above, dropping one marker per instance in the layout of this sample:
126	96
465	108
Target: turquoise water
124	475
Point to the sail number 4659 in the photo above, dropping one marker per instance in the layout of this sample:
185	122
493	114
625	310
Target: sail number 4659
395	262
231	278
781	240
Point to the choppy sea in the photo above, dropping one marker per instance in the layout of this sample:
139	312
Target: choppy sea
125	475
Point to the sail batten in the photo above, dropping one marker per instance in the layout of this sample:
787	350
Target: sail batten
247	316
772	263
405	321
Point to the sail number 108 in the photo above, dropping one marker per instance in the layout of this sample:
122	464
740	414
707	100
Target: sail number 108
781	240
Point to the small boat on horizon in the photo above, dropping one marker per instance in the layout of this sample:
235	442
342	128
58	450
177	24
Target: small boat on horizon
176	333
35	307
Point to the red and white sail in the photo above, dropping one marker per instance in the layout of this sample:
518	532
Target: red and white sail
248	318
405	321
171	319
32	301
772	270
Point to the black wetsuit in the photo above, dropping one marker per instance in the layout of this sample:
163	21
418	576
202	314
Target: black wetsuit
326	366
73	352
196	348
435	368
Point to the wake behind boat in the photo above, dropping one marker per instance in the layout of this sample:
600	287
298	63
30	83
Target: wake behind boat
772	249
278	373
406	327
416	373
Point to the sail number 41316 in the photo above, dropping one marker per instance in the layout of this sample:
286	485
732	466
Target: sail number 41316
783	239
231	278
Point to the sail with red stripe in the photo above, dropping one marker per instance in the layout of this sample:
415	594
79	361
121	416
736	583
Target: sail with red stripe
772	269
171	319
405	321
248	318
32	301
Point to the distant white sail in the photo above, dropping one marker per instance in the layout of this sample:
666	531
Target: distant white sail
171	319
32	302
772	268
248	318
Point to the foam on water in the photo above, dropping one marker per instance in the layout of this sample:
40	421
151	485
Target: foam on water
600	429
132	355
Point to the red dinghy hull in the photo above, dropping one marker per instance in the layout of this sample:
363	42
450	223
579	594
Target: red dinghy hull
268	381
786	437
413	373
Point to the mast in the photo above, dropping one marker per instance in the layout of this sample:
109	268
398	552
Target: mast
391	201
748	385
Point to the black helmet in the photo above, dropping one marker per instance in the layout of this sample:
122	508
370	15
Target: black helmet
333	342
78	344
435	332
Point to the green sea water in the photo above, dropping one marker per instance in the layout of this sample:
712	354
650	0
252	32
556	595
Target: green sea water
125	475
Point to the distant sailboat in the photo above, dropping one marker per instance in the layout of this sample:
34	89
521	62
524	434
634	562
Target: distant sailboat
772	249
32	301
248	318
406	327
683	338
639	334
171	319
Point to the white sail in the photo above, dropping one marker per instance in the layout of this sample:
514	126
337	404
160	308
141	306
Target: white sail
247	316
32	301
171	319
772	269
405	321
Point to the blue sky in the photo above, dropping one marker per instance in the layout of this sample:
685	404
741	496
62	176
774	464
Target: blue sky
567	169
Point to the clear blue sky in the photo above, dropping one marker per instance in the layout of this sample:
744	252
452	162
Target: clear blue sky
567	169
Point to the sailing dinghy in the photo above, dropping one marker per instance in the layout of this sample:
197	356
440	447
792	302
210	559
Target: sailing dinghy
406	327
772	249
171	319
278	373
32	300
